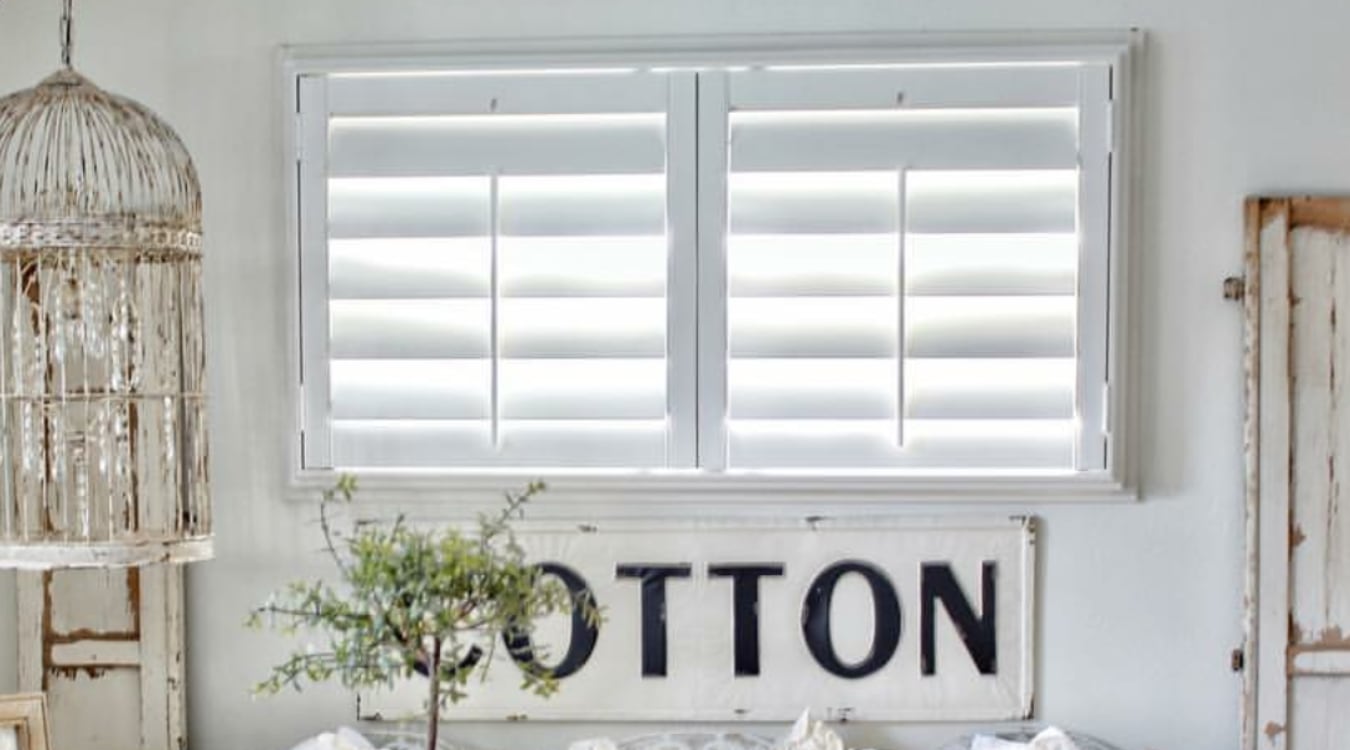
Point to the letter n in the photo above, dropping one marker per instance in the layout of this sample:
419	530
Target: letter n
979	634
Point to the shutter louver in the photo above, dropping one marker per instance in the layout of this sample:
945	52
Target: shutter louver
497	261
902	280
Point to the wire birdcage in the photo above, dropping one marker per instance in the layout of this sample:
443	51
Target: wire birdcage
103	451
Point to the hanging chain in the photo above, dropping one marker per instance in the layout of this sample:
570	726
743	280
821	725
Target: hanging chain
65	33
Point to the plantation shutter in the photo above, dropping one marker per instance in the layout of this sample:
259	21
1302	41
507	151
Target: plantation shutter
485	269
911	280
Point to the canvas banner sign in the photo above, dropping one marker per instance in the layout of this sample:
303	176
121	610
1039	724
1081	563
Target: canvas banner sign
871	621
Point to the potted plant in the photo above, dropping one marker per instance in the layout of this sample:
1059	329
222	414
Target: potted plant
416	602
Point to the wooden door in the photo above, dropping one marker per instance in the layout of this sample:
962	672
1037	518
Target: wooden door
106	646
1297	293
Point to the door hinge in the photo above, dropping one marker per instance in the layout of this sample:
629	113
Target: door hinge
1237	660
1235	288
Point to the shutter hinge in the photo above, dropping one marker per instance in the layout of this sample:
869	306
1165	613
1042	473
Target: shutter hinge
1237	660
1235	288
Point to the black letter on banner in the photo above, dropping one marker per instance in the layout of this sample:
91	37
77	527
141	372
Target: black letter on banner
653	610
745	610
816	619
937	582
584	634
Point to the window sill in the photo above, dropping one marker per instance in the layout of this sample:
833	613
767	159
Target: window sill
678	494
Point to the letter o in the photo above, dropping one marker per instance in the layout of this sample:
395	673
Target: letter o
584	634
816	619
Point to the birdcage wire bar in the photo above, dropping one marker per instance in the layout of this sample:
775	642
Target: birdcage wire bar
103	446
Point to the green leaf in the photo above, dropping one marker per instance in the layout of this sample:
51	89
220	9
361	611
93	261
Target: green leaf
410	597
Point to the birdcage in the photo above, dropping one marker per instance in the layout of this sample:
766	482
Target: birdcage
103	451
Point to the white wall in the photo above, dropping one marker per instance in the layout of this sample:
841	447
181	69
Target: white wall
1140	603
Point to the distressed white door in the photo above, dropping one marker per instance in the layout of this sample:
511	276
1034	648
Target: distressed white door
1297	694
106	646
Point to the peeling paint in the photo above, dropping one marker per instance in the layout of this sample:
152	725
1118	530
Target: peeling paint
118	634
71	673
1323	213
1296	535
1296	609
1271	211
1330	639
1251	356
51	638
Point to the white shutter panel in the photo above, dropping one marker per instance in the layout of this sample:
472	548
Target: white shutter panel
495	271
903	253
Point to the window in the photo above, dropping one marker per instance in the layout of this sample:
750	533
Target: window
714	265
494	286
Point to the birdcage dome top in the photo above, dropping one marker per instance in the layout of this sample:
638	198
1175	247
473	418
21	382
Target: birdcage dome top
71	152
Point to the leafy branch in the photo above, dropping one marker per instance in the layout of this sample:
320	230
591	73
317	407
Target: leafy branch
428	602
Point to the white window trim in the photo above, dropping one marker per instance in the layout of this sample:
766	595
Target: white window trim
662	493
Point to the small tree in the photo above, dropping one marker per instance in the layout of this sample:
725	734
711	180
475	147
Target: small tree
433	603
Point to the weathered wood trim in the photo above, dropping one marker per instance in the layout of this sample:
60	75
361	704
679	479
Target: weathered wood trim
1331	214
121	555
154	646
1251	302
1272	457
51	636
29	601
1277	358
97	654
1338	645
1321	663
163	720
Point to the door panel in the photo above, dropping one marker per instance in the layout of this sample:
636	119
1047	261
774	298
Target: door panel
1298	434
1318	713
106	646
1320	333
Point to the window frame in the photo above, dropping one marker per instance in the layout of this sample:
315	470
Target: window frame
677	492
